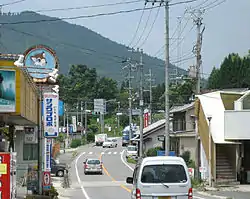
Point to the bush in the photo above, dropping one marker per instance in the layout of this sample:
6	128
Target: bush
153	151
76	143
186	156
90	137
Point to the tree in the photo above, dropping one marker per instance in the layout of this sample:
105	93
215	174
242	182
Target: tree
214	78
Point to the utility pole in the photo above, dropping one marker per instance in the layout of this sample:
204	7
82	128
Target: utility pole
197	50
150	80
141	102
77	107
118	116
85	118
166	6
81	118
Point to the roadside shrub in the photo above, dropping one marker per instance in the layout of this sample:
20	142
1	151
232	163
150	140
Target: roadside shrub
76	143
186	156
153	151
90	137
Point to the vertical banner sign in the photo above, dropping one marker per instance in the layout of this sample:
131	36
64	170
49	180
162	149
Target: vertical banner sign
74	124
5	175
51	123
146	120
48	148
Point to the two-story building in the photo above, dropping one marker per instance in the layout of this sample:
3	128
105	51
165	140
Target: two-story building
225	116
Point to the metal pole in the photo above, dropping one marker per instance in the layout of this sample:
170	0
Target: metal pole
77	113
102	122
210	153
141	104
67	129
130	103
81	119
40	145
118	117
167	79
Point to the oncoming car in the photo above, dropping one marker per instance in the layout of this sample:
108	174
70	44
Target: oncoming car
110	143
93	166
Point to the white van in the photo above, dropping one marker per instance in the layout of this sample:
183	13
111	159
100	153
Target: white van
161	177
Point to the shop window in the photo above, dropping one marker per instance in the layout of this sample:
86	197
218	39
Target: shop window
30	152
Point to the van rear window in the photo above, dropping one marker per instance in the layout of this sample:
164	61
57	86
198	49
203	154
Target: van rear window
163	173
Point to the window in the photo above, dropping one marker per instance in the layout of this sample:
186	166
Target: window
93	162
163	174
132	148
30	151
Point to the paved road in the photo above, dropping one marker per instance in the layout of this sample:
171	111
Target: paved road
111	184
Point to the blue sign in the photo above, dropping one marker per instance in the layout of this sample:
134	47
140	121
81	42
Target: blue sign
51	118
162	153
60	110
40	61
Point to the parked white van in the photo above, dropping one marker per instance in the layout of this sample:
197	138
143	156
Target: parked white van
161	177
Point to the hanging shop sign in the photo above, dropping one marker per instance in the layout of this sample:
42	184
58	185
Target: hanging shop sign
42	64
48	151
51	118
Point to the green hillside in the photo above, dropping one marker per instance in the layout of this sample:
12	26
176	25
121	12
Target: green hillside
73	44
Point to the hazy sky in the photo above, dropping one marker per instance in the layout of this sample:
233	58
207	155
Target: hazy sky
227	26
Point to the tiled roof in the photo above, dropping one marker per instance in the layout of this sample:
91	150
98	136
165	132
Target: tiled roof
182	108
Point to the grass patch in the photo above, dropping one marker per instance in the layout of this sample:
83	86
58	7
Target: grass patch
197	183
131	160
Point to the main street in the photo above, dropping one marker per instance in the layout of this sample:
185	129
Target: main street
111	184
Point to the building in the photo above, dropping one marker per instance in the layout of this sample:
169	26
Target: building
19	105
225	116
182	131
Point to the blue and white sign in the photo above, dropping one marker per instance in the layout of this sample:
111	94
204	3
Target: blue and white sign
61	108
51	117
48	150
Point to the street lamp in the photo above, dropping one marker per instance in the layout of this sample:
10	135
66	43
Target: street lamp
210	151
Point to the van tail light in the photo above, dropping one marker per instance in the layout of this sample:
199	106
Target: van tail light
138	194
100	166
85	166
190	193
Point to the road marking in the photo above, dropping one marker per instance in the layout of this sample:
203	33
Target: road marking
109	152
83	153
90	153
102	153
78	177
121	152
115	153
108	174
124	162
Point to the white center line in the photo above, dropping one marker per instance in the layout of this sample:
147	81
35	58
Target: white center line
102	153
90	153
115	152
109	152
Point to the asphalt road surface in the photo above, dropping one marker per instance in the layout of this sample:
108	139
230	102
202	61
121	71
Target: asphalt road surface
110	185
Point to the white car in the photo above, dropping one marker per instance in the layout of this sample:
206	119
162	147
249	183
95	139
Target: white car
110	143
161	177
131	151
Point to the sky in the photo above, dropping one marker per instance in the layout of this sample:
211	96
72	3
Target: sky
227	27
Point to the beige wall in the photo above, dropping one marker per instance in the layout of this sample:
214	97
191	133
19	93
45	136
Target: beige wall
190	120
188	144
154	142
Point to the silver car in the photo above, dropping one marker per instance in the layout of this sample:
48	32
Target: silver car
93	166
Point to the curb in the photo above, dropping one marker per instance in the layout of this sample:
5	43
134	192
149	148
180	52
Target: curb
211	195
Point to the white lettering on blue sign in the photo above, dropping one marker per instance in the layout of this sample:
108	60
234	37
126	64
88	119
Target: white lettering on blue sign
49	112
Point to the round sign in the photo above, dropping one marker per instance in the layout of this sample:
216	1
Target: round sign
40	61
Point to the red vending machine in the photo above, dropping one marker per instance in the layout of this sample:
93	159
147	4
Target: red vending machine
5	159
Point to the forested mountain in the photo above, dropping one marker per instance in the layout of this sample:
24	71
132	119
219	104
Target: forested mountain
73	44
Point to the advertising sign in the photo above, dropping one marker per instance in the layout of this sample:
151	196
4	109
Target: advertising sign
146	119
61	108
46	180
51	118
40	62
5	175
74	124
7	91
48	149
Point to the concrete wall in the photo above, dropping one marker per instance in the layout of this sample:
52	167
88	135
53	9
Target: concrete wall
187	144
154	142
190	122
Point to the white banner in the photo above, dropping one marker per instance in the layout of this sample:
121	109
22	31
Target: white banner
51	118
48	148
74	124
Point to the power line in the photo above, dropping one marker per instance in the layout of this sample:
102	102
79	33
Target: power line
11	3
78	17
151	28
138	26
213	6
90	6
144	29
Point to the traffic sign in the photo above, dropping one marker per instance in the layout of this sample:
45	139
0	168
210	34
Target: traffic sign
46	180
99	106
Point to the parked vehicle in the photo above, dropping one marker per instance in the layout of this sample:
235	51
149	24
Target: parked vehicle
161	177
58	168
110	143
131	151
100	139
93	166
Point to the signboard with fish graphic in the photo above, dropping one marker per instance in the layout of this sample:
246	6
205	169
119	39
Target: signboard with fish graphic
40	62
